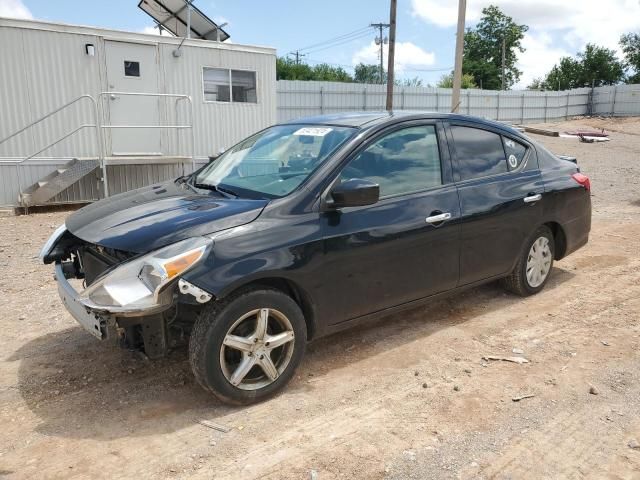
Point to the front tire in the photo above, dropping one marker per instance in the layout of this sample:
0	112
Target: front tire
533	269
247	347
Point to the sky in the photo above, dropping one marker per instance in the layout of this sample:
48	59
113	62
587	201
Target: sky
425	28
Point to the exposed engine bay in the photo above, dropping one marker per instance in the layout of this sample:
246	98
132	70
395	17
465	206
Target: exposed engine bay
153	334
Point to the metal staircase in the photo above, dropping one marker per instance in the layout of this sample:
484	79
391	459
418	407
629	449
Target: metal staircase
48	187
64	176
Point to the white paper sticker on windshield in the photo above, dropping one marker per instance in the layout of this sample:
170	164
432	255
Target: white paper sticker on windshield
313	131
513	161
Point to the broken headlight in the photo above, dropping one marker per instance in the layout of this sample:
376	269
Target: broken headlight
140	283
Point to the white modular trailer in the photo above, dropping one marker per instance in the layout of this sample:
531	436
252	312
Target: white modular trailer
140	107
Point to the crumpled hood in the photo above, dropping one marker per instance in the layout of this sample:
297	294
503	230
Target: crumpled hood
152	217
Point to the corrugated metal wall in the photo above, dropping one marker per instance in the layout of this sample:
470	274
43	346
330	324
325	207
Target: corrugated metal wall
298	98
618	100
217	124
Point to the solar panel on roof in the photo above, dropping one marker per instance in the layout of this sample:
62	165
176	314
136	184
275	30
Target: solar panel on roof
172	16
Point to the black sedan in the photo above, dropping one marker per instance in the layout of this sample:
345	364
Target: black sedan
313	226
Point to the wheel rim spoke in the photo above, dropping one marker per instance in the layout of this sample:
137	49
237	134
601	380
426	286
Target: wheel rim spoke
262	321
275	341
243	344
268	367
246	364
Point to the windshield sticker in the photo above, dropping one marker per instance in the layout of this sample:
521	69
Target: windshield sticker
513	161
313	131
509	143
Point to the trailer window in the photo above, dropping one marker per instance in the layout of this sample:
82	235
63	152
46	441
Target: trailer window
225	85
243	85
131	69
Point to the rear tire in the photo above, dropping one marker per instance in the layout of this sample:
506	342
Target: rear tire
246	347
533	269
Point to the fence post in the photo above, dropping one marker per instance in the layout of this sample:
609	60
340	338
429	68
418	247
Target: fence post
566	113
522	110
364	98
613	104
546	102
498	106
402	98
469	102
437	102
321	100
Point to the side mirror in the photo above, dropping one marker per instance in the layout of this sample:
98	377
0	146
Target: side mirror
355	192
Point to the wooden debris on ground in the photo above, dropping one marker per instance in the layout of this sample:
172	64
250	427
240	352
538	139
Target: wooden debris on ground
215	426
506	359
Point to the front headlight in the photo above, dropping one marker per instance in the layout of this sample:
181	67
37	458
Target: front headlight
139	284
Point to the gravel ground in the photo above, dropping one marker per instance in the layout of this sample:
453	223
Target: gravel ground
407	397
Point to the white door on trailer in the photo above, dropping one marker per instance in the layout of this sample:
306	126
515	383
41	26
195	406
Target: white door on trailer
133	67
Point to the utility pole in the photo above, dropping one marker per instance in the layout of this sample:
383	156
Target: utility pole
392	53
457	71
503	62
298	55
380	41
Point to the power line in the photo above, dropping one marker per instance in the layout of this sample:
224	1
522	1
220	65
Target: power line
339	37
340	42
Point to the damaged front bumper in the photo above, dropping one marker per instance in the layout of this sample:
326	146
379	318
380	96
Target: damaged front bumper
96	318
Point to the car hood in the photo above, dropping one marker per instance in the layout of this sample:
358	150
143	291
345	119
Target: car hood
152	217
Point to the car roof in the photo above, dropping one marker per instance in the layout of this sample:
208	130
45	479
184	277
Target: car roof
371	119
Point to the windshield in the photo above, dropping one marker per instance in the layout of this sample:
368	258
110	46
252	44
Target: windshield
274	162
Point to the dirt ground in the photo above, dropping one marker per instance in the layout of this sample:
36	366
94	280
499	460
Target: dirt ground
407	397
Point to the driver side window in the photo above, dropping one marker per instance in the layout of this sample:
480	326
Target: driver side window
401	162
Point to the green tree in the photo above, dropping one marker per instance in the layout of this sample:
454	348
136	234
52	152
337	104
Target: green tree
288	69
446	81
329	73
536	84
601	66
408	82
368	74
482	57
630	44
595	66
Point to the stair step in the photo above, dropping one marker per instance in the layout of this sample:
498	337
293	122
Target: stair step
58	180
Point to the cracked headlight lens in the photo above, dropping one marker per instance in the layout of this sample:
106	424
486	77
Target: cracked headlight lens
139	283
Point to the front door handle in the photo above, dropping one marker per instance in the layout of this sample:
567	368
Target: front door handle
441	217
532	198
113	97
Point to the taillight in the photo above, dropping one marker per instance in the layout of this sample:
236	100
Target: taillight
582	180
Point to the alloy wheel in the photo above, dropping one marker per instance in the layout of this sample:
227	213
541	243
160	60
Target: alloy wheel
538	262
257	349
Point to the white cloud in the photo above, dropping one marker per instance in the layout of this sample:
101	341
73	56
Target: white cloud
556	28
150	31
407	55
540	56
14	9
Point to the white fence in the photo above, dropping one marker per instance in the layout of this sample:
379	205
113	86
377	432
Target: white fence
300	98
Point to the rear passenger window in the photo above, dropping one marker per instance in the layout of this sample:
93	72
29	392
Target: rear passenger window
515	153
480	153
401	162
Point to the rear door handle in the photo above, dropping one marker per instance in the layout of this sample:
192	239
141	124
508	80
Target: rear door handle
532	198
441	217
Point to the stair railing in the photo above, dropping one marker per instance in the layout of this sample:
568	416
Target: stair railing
95	125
